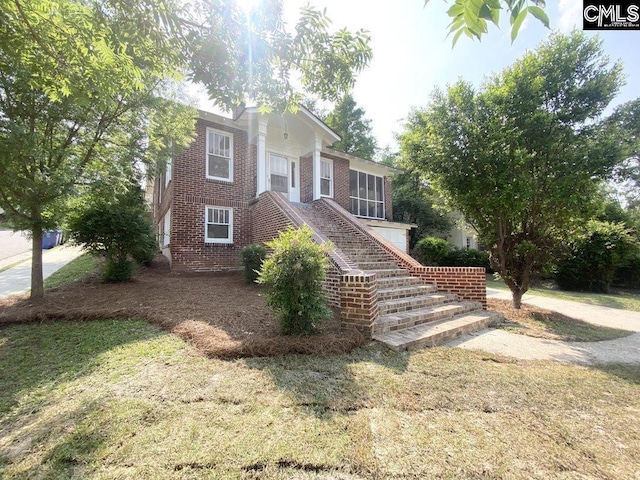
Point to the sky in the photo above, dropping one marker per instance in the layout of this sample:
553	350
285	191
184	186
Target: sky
412	54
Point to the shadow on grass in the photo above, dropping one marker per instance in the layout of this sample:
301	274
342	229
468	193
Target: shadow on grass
335	384
35	359
628	372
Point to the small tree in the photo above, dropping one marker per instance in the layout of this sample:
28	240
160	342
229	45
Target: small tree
117	228
294	273
251	258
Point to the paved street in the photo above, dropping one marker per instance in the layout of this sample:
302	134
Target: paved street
13	243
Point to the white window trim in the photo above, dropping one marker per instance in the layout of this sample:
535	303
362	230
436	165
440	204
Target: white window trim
384	202
206	223
206	154
331	180
166	229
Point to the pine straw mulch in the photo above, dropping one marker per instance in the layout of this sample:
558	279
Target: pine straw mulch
219	314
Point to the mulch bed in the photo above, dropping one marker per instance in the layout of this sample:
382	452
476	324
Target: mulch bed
219	314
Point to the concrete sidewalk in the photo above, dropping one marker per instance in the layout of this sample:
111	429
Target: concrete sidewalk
17	279
623	350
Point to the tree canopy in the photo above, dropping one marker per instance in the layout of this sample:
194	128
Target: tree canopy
521	156
348	120
80	85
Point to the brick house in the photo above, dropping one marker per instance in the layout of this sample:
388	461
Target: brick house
244	179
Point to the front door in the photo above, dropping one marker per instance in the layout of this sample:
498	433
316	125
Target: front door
284	176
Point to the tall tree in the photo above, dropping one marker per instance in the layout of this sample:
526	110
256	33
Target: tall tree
349	121
626	119
520	158
79	82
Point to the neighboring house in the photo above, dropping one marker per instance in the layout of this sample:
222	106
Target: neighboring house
245	179
202	204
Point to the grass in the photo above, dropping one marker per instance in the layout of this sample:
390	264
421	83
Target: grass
74	270
123	399
540	323
622	299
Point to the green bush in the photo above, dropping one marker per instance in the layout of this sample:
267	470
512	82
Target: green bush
117	227
294	273
467	258
628	275
595	256
117	270
431	250
251	258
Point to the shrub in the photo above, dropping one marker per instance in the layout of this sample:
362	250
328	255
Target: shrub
431	250
595	256
628	275
251	258
294	273
467	258
117	227
117	270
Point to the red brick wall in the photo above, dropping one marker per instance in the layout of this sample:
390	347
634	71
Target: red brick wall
306	179
193	192
388	200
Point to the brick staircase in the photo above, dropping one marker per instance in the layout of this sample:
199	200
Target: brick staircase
412	314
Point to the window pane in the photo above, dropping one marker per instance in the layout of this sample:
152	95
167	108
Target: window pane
380	210
218	166
325	169
209	215
279	183
362	185
363	208
278	165
325	186
218	231
372	209
353	183
354	206
371	187
293	174
379	189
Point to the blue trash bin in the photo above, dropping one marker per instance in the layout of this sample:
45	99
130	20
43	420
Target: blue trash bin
49	239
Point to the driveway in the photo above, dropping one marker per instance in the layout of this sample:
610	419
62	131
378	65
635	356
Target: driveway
622	350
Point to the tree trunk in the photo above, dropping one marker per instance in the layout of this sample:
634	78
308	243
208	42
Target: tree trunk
37	285
517	298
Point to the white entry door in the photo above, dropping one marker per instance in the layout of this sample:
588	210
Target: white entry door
283	176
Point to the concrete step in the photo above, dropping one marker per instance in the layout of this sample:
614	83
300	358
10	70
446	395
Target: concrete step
407	304
404	291
439	332
402	320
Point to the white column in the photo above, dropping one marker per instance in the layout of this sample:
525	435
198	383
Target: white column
316	169
262	156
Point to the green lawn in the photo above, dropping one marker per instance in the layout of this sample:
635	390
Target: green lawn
72	271
123	399
624	300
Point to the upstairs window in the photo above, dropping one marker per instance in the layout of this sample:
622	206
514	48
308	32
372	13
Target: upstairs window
218	224
366	194
219	155
326	178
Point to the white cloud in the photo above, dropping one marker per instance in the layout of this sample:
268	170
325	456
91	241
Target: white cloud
570	15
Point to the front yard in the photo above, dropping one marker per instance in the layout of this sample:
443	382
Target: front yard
93	397
124	399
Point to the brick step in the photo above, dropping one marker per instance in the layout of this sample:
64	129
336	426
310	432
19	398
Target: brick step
404	291
400	281
402	320
375	265
388	272
406	304
437	333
